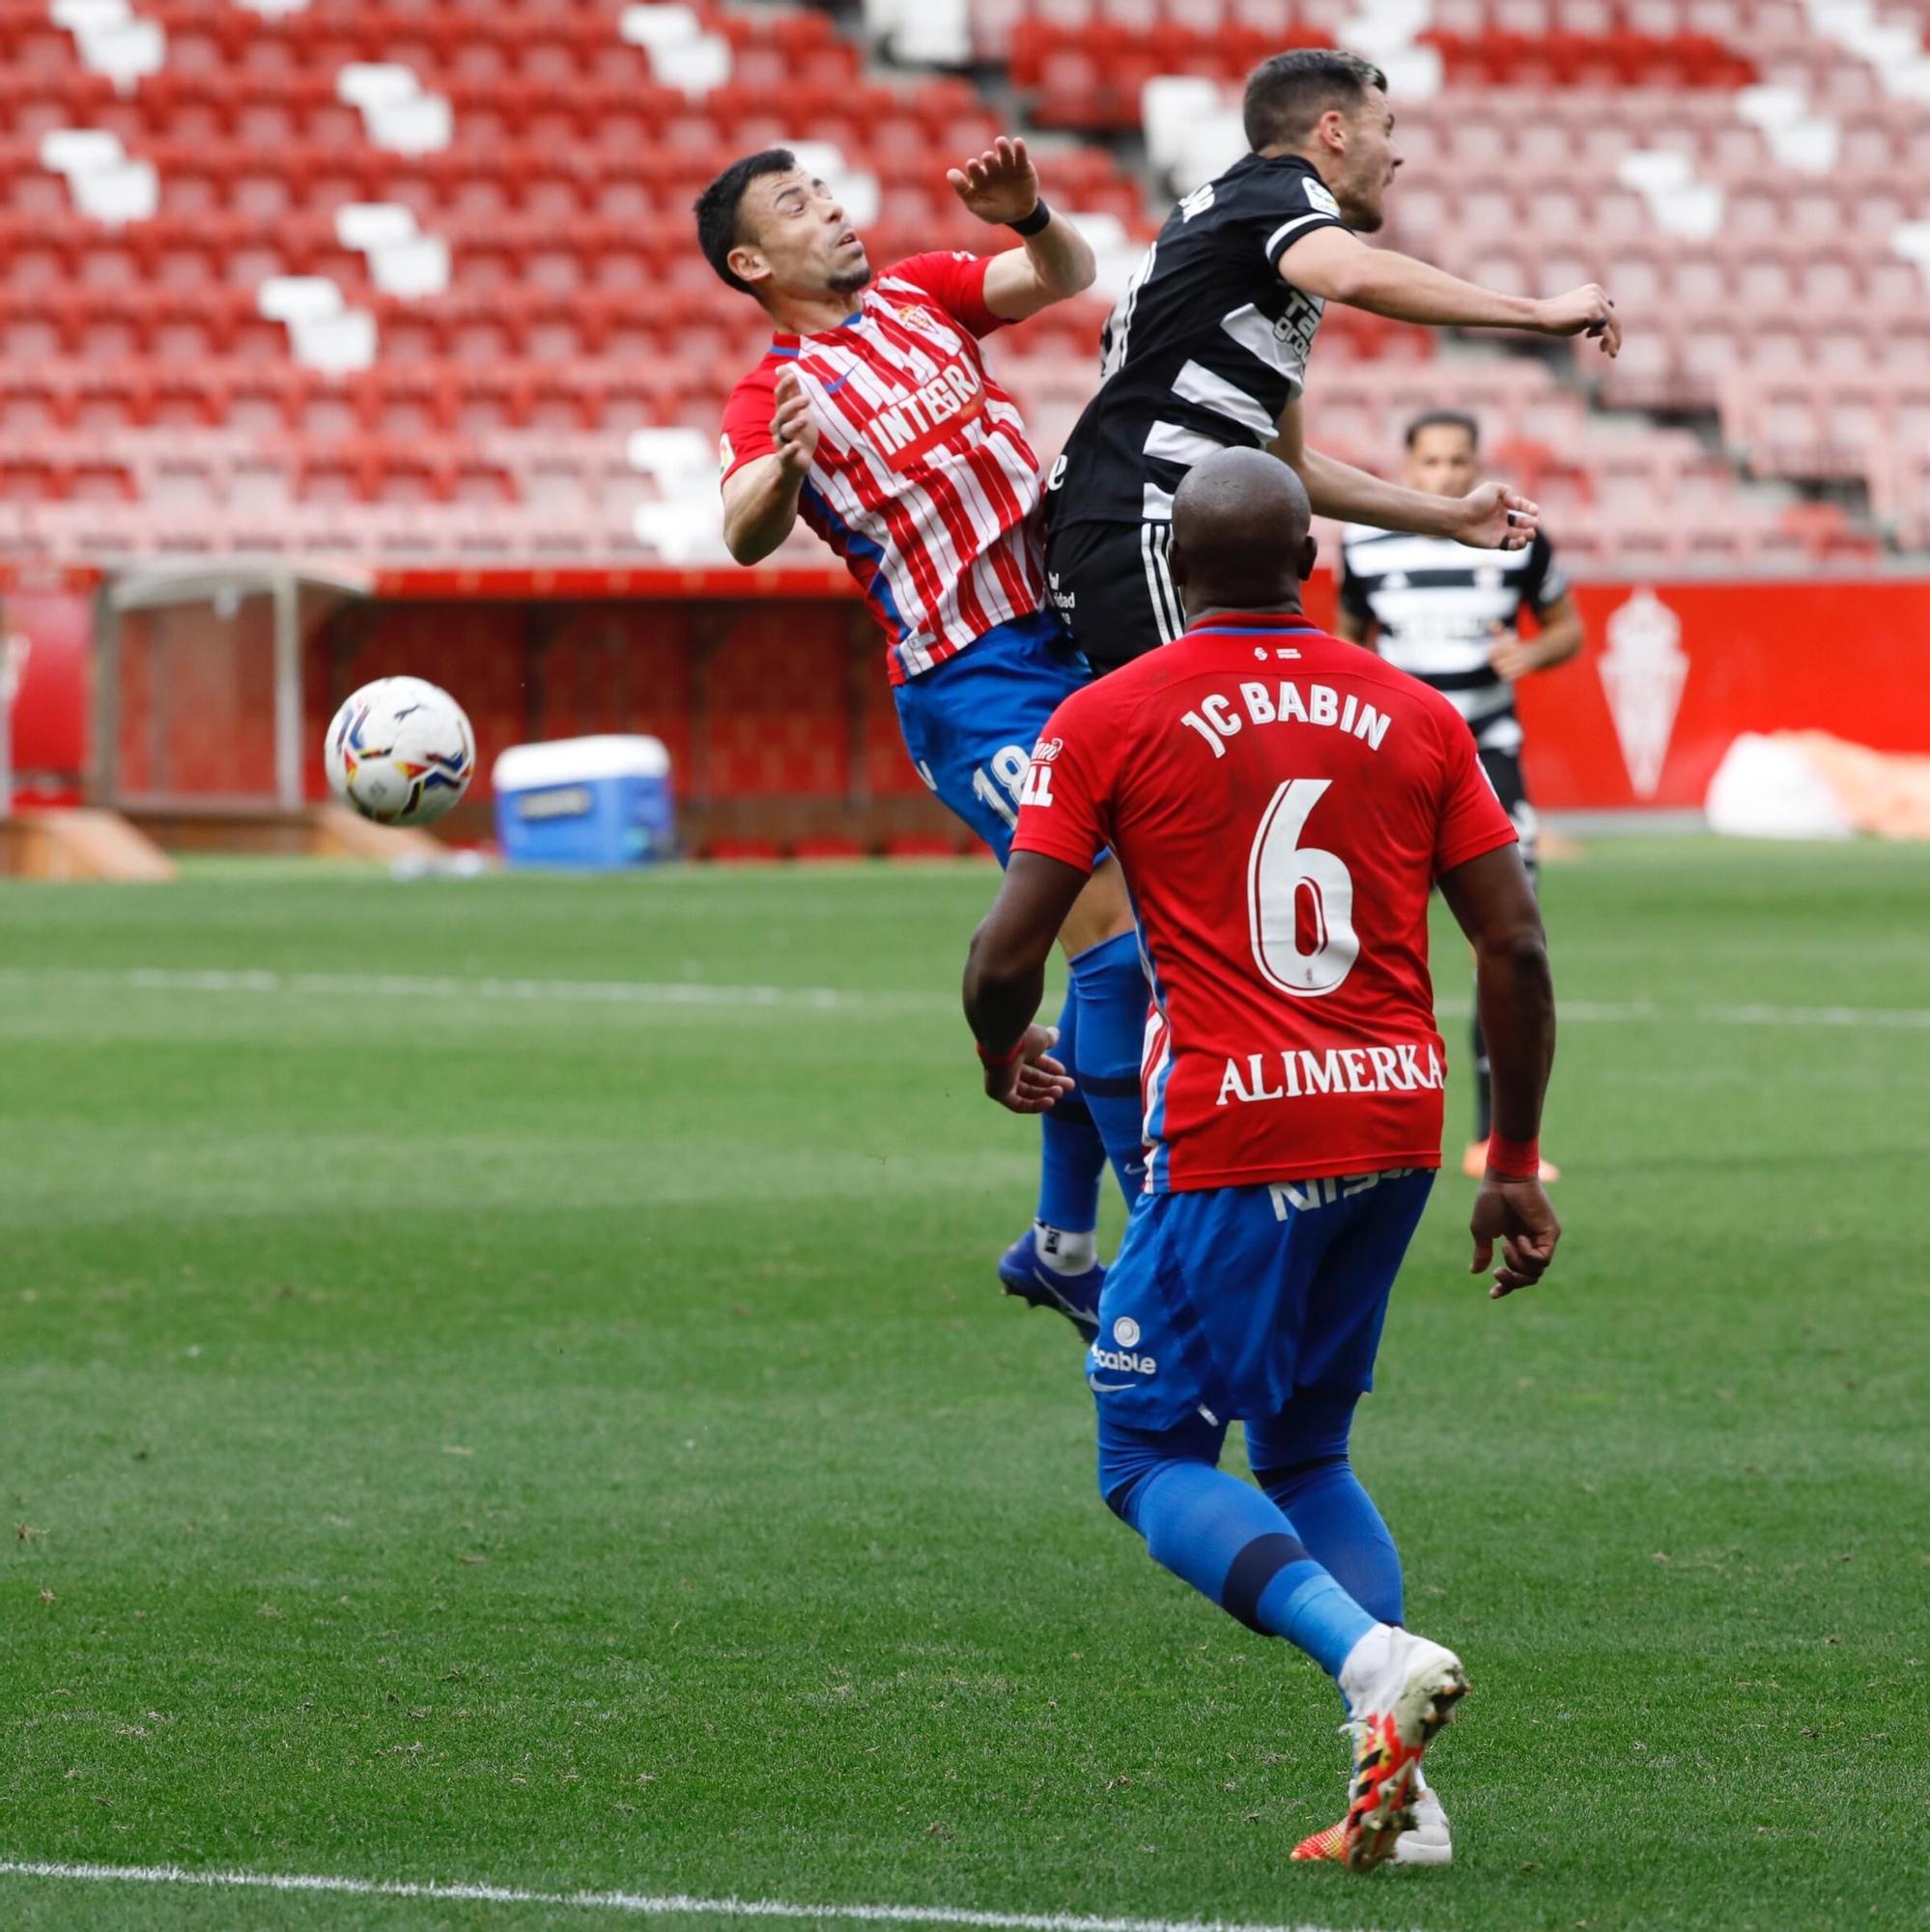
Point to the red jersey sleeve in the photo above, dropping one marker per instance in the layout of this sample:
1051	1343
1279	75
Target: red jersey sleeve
747	420
1471	820
956	282
1065	800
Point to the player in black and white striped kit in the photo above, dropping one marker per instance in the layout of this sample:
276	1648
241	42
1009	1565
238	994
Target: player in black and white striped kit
1450	615
1208	349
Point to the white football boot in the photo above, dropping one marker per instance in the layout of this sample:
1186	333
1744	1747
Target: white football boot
1401	1689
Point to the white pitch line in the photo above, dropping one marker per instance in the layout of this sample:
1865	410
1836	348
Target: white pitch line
442	986
834	999
1907	1019
636	1904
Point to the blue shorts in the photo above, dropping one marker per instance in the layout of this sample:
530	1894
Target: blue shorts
1226	1300
970	723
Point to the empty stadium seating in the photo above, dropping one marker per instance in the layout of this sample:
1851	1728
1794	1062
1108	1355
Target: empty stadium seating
1763	217
401	279
1090	73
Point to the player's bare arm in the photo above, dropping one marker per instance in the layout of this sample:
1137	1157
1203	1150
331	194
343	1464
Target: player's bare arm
1489	517
760	501
1004	980
1001	186
1560	638
1339	267
1494	903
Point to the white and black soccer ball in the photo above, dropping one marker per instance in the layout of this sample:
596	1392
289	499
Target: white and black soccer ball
400	751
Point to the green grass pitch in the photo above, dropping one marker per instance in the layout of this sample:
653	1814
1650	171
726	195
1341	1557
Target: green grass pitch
482	1434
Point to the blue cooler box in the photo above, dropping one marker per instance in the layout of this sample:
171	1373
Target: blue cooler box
585	802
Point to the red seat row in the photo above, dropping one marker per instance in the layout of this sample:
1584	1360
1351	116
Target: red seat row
1092	77
196	175
368	470
187	323
1837	425
403	531
1727	19
1580	59
503	20
236	35
315	34
306	107
562	398
48	249
1233	48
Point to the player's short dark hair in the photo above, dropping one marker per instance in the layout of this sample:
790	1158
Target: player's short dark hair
1444	419
717	207
1286	95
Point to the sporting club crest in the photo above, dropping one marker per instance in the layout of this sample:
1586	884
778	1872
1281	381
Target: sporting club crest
1643	671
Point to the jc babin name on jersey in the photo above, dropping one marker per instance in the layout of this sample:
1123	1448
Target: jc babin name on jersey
1218	717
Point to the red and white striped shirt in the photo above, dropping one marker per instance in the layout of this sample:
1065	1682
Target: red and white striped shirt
924	481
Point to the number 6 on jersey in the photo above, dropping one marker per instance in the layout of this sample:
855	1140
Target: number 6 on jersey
1297	894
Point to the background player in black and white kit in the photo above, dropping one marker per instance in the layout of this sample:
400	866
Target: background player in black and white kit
1450	615
1207	349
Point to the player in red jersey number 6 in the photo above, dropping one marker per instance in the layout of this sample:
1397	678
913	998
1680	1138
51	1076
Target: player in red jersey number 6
1282	805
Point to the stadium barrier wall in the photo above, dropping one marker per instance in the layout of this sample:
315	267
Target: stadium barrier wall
769	689
1673	672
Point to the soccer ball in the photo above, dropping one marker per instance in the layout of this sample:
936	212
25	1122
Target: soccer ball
400	751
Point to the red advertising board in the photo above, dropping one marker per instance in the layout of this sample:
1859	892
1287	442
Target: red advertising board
1672	673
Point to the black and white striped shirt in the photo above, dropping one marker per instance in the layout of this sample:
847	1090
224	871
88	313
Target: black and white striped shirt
1205	348
1436	604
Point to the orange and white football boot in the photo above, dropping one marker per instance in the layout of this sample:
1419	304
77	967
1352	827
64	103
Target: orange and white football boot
1400	1688
1424	1842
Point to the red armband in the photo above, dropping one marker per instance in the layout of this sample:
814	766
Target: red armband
1006	1058
1514	1160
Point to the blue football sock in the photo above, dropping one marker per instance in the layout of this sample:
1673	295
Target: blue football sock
1233	1544
1071	1156
1111	985
1300	1459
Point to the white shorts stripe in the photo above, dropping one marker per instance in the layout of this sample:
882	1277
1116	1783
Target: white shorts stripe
1158	583
1163	541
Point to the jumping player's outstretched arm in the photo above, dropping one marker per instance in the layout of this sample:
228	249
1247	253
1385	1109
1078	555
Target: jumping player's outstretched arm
1004	980
1056	262
1339	267
1493	900
1489	517
761	500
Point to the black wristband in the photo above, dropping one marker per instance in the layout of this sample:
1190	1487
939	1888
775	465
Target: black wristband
1030	224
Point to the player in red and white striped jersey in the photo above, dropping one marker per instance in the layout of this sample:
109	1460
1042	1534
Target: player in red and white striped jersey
922	479
872	417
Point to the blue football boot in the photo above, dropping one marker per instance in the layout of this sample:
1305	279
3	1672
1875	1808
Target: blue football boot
1076	1296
